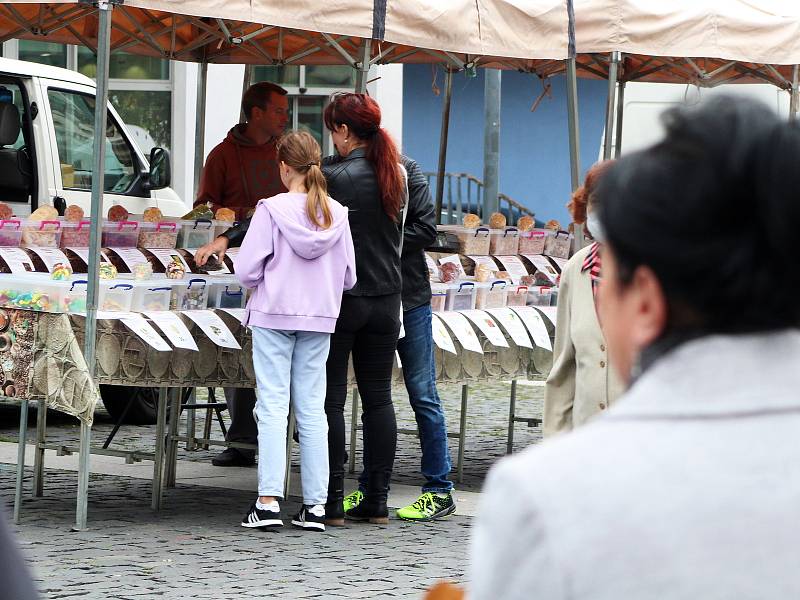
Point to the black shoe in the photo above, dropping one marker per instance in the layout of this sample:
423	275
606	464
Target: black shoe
334	507
231	457
373	507
256	517
310	517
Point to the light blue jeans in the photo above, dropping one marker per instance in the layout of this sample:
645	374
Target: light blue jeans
291	364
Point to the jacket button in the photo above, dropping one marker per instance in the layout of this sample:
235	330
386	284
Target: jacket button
602	364
602	347
602	406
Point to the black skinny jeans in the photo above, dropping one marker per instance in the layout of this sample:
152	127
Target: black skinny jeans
368	327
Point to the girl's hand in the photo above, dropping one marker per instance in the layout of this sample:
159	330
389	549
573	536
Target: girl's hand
219	246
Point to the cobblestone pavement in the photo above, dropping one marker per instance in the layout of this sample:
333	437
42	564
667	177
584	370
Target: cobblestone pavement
194	548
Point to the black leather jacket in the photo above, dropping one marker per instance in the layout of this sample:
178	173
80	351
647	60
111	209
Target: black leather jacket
351	181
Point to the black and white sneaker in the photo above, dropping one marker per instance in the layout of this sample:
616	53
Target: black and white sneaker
257	517
310	517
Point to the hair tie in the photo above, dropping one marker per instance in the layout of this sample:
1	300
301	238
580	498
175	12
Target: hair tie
313	164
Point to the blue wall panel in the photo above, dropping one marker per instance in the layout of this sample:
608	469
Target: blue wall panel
534	149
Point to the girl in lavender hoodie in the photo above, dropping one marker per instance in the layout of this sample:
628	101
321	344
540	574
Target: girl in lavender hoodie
298	255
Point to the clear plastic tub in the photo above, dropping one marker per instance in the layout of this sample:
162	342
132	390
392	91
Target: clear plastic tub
75	234
558	244
540	295
491	295
10	232
43	234
197	233
151	295
221	227
461	296
227	293
504	242
31	292
112	296
120	234
532	242
158	235
470	241
189	294
517	295
438	297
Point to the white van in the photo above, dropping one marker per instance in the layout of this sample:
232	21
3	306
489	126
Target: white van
46	139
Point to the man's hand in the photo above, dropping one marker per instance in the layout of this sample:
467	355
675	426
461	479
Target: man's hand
219	246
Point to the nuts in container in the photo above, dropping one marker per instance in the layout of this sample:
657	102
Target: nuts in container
558	244
470	241
504	242
532	242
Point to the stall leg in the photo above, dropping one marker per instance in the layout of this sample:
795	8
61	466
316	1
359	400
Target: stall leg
354	432
158	464
462	432
212	398
289	442
38	455
82	510
172	443
191	423
23	434
512	408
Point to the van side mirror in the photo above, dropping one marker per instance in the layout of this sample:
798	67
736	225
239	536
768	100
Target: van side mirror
160	175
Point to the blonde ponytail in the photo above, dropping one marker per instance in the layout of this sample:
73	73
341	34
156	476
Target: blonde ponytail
300	150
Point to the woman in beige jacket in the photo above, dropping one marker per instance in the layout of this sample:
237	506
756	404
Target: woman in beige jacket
580	384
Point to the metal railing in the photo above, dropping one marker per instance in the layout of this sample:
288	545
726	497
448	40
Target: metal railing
463	193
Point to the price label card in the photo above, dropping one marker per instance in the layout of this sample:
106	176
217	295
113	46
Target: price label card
543	265
536	327
463	331
441	336
17	260
560	262
216	330
138	325
169	255
454	259
130	257
488	327
236	313
486	261
175	329
513	265
513	325
223	270
433	270
549	312
50	256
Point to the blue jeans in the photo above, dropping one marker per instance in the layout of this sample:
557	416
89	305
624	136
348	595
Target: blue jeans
419	373
291	364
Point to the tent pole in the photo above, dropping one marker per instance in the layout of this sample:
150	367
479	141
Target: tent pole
443	138
574	138
362	68
620	116
200	125
98	185
246	82
795	95
491	140
613	73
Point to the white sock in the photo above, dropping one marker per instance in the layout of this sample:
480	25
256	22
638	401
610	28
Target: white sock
318	510
273	506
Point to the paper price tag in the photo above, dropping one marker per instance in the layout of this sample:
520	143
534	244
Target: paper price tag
549	312
560	262
463	331
454	259
130	256
513	325
513	265
543	265
536	327
433	270
17	260
50	257
137	324
488	327
175	329
441	336
236	313
168	255
486	261
216	330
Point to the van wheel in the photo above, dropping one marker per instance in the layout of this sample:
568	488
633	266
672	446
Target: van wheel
144	407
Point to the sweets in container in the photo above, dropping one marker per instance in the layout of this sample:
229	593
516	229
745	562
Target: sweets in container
471	221
558	244
73	213
10	232
118	213
470	241
225	292
151	295
161	234
526	223
504	242
195	234
120	234
517	295
532	242
43	233
31	292
75	234
152	215
189	294
461	296
497	221
491	294
111	296
438	296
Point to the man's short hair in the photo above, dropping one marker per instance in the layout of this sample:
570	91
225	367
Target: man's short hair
258	95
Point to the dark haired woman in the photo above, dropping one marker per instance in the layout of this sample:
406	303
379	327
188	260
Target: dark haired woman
689	487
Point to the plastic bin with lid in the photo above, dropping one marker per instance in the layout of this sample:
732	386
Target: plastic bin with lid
151	295
190	293
540	295
31	291
120	234
43	234
226	293
532	242
491	294
461	296
517	295
112	295
558	244
10	232
221	227
438	296
470	241
163	234
75	234
504	242
196	233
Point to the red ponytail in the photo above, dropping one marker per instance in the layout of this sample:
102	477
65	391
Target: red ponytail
362	115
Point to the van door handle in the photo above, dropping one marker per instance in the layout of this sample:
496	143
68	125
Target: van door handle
60	205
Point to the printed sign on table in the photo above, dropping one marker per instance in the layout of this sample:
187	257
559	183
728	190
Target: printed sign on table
236	313
513	325
131	257
213	327
486	261
488	327
138	325
175	329
513	265
17	260
533	321
50	256
169	255
433	270
549	312
463	331
543	265
560	262
441	336
454	259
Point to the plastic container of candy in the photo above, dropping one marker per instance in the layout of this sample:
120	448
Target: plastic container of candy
532	242
504	242
517	295
75	234
31	292
470	241
43	234
197	233
10	232
120	234
151	295
461	296
540	295
112	296
491	295
189	294
438	296
558	244
158	235
226	293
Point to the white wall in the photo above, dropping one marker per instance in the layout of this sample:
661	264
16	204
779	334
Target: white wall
183	129
388	92
223	102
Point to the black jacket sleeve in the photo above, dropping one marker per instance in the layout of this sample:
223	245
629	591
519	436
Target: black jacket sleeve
236	233
420	229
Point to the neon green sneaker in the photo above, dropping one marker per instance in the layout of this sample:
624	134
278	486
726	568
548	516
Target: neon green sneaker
428	507
352	500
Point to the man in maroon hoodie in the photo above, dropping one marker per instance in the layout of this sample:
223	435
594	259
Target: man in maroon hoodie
238	173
